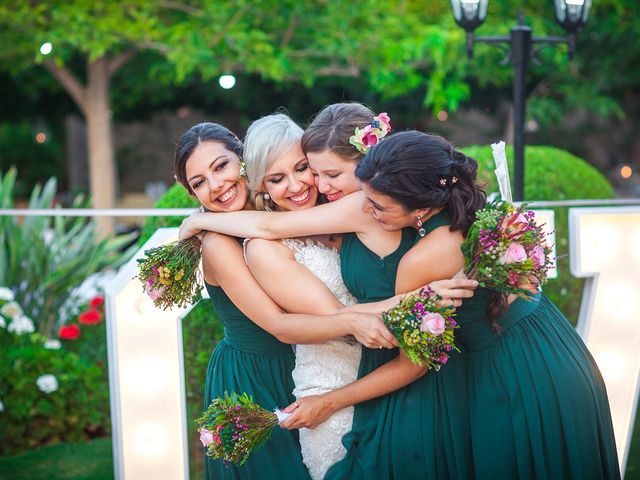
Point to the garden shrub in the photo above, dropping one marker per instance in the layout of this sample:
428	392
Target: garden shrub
551	174
176	197
48	394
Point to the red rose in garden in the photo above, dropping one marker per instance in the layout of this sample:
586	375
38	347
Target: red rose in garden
96	302
69	332
90	317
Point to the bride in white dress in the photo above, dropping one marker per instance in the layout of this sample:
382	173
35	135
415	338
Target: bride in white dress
324	367
280	178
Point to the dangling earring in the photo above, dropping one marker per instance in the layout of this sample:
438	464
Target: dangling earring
421	231
243	169
266	196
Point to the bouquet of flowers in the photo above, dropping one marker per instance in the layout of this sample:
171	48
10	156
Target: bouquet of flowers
170	273
233	426
423	328
505	250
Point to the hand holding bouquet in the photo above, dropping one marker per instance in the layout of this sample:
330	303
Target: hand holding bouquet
505	250
233	426
170	273
423	329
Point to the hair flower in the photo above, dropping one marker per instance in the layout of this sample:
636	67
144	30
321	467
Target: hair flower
365	138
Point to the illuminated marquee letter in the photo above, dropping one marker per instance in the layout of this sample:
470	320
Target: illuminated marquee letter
605	249
146	378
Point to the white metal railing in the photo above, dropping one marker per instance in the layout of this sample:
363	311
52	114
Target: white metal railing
172	212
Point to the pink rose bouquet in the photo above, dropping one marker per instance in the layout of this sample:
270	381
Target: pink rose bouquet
423	328
233	426
505	250
170	274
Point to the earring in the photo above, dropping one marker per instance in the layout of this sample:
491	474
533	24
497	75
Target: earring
266	196
243	169
421	231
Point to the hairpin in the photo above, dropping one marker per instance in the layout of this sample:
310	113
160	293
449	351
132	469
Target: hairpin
365	138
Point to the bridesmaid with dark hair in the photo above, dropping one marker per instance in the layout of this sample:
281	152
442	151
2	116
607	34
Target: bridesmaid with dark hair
537	402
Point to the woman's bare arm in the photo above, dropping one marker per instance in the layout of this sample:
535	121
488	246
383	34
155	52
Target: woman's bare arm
342	216
224	265
399	372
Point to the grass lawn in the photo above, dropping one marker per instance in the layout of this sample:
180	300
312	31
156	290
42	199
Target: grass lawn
80	461
93	461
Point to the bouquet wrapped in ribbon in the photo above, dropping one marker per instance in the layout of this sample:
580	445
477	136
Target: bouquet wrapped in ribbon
233	426
170	273
505	250
423	328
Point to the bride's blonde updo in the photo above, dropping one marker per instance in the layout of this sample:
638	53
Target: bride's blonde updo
267	139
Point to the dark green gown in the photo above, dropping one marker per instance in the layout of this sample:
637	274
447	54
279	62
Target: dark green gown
421	431
251	360
537	402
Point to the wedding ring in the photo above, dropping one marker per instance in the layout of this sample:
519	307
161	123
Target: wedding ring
379	346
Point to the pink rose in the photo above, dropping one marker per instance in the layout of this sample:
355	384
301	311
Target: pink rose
514	224
370	138
514	254
432	323
154	293
538	256
206	437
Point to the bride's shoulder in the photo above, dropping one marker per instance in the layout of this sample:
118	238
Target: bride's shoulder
257	248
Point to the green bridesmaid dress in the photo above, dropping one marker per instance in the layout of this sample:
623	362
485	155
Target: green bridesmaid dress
422	430
537	402
251	360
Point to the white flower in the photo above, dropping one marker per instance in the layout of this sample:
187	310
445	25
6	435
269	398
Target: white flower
1	406
3	323
11	310
47	383
21	324
52	344
6	294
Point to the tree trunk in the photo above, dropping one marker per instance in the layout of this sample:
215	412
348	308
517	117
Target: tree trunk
99	132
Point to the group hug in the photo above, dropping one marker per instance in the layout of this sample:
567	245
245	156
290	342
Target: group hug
307	236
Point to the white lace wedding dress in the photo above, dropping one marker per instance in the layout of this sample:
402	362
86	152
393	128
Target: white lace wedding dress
324	367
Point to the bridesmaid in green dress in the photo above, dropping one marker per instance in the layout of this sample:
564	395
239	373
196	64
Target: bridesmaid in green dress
249	358
537	403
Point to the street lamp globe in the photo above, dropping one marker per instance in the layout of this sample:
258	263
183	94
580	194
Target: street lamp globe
572	14
469	14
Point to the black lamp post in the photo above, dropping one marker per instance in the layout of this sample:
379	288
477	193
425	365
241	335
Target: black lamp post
571	14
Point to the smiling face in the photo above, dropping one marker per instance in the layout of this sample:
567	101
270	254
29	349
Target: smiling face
335	176
290	182
213	173
387	211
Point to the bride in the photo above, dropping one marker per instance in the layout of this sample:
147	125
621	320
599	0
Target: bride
280	179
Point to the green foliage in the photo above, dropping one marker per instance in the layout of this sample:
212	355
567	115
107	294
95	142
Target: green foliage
176	197
43	258
78	409
19	149
80	461
551	174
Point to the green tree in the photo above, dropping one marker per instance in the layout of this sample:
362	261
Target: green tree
388	43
